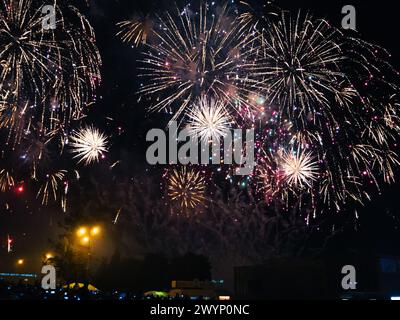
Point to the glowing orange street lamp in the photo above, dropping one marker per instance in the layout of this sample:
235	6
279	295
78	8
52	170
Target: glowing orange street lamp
49	256
95	231
81	232
85	234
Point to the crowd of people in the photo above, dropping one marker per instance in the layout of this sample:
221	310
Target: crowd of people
24	291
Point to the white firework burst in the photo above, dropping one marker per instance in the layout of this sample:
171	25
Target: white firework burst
89	144
299	168
209	119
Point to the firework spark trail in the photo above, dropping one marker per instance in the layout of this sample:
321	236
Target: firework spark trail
136	30
51	185
6	180
269	179
35	149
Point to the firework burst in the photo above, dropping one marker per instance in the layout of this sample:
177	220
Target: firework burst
311	68
44	74
51	186
186	187
299	168
302	70
209	120
89	145
334	91
200	53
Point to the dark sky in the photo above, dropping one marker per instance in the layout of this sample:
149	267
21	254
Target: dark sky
377	22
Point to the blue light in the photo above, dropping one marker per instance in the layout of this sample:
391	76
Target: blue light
22	275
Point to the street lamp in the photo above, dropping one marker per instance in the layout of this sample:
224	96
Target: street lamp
20	262
85	235
81	232
95	231
49	256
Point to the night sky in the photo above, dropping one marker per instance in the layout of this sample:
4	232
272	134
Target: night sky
121	116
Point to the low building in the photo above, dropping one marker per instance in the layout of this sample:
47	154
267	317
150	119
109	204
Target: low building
281	279
198	289
377	277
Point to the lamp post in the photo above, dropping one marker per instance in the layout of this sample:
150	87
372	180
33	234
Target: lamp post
85	235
